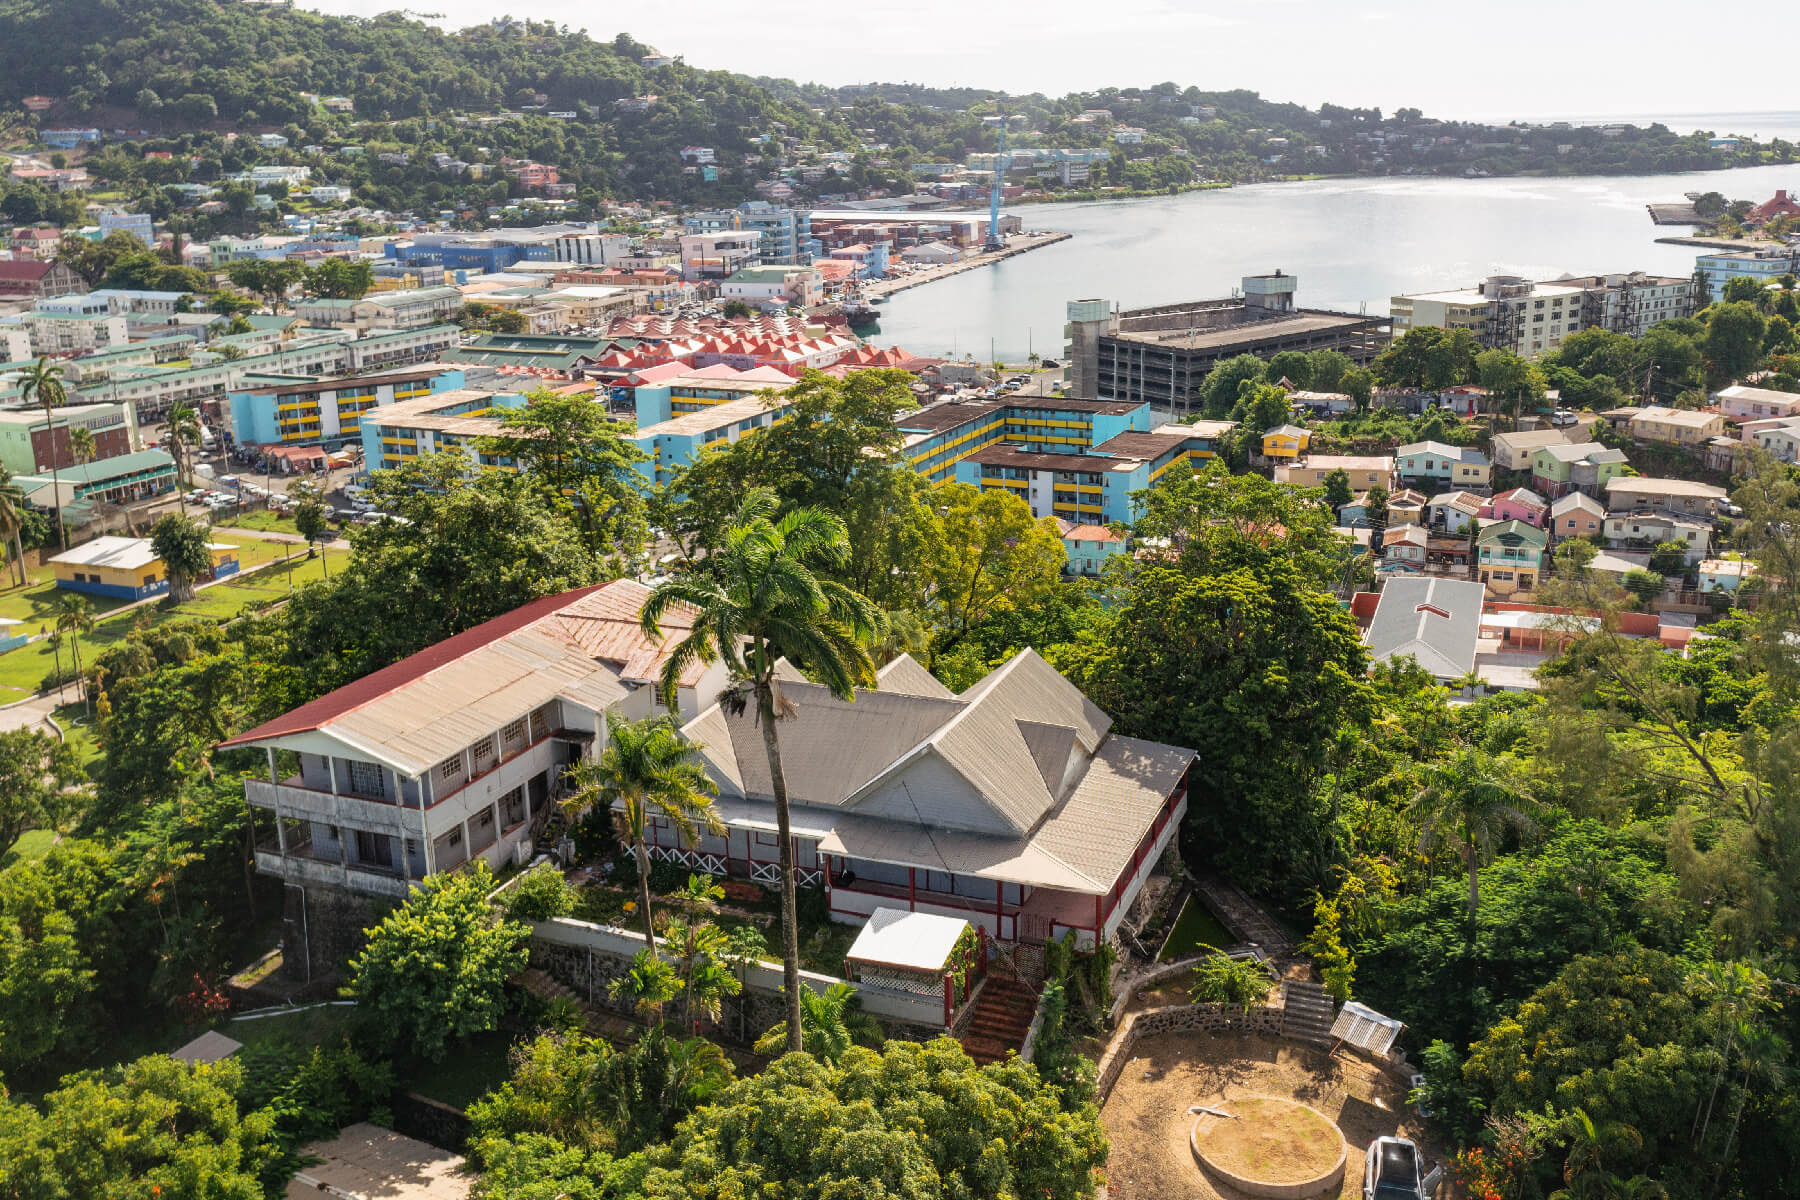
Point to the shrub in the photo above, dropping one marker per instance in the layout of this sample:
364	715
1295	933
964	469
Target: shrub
1236	982
540	894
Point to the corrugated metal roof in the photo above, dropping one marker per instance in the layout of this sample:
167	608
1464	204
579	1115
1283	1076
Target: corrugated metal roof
585	646
1016	779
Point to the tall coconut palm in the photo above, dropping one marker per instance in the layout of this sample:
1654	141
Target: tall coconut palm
1469	799
74	617
756	601
184	435
44	382
81	444
831	1022
12	521
646	770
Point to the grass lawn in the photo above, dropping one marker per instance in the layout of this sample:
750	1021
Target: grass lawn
78	730
262	519
1194	928
32	845
22	669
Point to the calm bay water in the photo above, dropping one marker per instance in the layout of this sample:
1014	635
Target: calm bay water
1353	243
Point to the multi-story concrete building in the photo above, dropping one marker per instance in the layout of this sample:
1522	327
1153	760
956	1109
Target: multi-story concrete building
787	237
1364	471
30	443
1506	312
939	436
1765	266
384	311
327	411
1161	355
452	754
719	255
134	373
1557	470
1095	487
773	286
1510	556
1631	302
1682	496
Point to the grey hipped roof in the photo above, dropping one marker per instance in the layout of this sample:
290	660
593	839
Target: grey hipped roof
1018	778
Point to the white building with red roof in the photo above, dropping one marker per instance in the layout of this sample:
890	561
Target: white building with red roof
456	752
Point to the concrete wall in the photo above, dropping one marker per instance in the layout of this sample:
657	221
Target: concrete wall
588	957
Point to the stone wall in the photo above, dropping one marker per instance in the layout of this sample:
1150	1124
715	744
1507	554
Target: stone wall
322	927
588	957
1179	1018
442	1125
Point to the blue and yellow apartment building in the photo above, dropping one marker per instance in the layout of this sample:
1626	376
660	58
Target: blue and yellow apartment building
1092	485
127	568
327	412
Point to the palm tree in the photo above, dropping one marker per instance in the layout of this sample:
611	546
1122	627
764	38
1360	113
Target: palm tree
183	435
12	521
646	769
75	616
744	945
1763	1053
81	444
45	382
757	601
831	1022
1471	799
696	947
649	984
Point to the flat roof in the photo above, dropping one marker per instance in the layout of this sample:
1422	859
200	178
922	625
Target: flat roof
1133	444
913	941
1304	321
728	413
125	553
339	382
1004	455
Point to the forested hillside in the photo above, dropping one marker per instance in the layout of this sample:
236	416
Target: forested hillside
177	75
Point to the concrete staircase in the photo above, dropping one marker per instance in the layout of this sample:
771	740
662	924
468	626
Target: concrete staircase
597	1021
1307	1013
1002	1016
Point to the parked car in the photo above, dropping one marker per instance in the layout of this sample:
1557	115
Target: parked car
1562	417
1394	1169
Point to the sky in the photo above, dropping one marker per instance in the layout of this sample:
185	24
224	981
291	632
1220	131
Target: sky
1528	59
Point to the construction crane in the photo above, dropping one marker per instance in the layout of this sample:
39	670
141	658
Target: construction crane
994	240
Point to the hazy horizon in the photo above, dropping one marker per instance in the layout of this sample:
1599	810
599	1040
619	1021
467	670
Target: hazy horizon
1382	53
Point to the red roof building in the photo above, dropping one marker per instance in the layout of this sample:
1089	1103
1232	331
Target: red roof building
1781	206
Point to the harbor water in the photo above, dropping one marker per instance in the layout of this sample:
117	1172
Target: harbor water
1352	242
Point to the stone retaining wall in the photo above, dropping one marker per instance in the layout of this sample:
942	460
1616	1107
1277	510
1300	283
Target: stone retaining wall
1214	1018
1178	1018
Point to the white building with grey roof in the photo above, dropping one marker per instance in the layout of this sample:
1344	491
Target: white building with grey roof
1012	805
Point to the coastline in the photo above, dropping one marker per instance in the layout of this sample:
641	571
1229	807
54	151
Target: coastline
1719	243
1022	243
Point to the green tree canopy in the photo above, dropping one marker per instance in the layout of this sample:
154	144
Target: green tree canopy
914	1120
434	971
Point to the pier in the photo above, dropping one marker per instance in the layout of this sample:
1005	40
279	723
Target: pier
1018	244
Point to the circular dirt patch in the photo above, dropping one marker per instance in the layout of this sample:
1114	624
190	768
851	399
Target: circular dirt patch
1269	1147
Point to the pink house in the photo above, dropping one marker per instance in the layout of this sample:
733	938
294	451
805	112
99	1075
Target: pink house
1519	504
1577	515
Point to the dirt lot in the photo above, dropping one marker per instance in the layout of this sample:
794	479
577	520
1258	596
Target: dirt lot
1147	1119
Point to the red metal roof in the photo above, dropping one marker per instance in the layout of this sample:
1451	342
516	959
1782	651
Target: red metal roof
351	696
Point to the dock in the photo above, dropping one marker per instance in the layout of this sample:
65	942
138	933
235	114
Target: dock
1019	244
1676	214
1719	243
